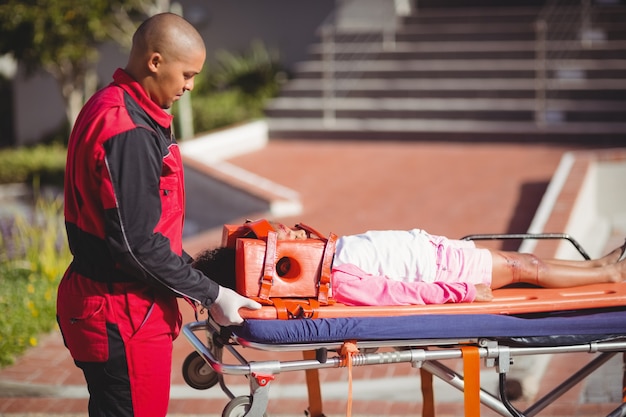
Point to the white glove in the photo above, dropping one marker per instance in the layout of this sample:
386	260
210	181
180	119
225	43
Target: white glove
225	309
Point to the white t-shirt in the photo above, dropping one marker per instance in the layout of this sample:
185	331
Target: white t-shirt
398	254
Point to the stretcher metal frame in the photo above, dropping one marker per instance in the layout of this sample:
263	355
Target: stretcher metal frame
205	368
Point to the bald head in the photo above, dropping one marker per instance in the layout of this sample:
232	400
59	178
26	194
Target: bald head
166	33
167	52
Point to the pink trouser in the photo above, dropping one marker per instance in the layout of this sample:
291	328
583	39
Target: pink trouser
461	261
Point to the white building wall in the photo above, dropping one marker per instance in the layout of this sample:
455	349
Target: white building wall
38	107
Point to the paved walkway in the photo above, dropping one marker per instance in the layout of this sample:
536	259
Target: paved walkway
346	187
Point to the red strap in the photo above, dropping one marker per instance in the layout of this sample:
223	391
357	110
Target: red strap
314	309
296	309
269	269
327	262
281	309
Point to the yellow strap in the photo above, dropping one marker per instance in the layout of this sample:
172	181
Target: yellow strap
471	377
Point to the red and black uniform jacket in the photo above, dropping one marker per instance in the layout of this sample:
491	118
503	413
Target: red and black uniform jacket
124	194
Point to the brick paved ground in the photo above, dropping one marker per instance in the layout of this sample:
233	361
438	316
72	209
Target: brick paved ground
347	187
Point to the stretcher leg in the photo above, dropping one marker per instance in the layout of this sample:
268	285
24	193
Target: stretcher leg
619	411
260	395
313	387
566	385
624	378
453	379
253	405
428	400
502	383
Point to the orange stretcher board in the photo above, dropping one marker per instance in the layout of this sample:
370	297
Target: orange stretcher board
506	301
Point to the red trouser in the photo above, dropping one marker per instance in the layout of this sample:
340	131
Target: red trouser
121	336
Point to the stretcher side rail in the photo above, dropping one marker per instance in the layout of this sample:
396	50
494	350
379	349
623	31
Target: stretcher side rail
488	349
528	236
413	351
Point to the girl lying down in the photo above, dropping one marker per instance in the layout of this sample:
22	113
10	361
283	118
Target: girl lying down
396	267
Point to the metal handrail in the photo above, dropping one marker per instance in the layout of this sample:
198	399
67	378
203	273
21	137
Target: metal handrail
553	43
353	61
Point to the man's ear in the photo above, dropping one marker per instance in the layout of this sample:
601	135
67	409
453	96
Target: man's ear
154	62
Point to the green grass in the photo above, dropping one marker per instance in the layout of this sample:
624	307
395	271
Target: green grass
33	257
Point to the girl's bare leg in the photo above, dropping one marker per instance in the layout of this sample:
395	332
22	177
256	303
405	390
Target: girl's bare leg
608	259
514	267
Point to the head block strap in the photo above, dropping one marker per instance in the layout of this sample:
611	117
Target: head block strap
258	229
325	273
269	269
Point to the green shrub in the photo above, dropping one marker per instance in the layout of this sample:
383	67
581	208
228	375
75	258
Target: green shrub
255	73
234	88
220	110
44	164
33	257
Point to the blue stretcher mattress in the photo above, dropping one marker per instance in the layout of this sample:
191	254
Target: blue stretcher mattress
592	324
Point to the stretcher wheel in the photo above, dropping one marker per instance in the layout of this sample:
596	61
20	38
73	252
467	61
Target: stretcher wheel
238	407
197	373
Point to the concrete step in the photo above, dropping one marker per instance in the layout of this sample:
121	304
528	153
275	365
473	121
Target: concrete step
461	73
453	109
452	104
465	15
478	64
610	26
436	130
479	68
434	29
600	89
471	33
488	33
466	50
474	13
466	4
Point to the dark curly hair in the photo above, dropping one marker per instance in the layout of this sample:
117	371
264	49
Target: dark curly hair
217	264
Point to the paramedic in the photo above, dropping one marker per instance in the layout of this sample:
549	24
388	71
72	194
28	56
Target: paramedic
396	267
124	210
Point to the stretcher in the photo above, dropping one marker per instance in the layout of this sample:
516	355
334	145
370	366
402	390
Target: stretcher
519	322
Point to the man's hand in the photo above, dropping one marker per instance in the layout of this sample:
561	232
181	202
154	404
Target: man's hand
483	293
225	309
